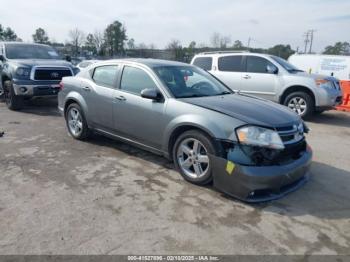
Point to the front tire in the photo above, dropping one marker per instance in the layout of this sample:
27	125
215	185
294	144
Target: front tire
76	123
191	157
13	101
301	103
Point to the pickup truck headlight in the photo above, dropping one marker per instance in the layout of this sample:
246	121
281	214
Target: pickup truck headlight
259	136
23	72
324	83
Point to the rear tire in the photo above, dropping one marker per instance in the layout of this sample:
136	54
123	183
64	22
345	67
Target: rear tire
76	122
192	161
13	101
301	103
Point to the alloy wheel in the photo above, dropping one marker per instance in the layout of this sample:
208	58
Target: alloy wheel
298	105
75	122
193	158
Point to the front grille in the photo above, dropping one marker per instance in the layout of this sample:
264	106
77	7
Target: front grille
51	73
290	134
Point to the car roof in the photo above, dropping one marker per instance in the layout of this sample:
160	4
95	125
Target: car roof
20	43
229	53
145	61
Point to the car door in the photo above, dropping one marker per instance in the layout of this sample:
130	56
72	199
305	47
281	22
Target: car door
98	95
135	117
260	78
229	70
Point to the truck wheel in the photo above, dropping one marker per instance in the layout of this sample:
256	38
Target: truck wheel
301	103
76	123
191	157
13	101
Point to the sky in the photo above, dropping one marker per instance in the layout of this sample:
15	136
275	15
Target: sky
266	22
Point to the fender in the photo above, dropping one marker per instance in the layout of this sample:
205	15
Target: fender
75	96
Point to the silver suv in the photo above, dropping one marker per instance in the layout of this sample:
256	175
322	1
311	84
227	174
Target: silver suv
273	78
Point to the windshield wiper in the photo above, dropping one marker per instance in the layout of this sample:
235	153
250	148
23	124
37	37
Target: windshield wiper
295	70
193	95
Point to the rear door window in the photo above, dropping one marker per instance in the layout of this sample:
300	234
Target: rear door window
231	63
257	64
203	62
105	75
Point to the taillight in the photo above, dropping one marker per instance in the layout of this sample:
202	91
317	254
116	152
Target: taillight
61	86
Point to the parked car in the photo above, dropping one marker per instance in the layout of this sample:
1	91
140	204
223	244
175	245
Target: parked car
84	64
250	148
30	70
273	78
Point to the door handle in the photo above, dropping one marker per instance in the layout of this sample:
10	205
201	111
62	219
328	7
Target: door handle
120	98
247	77
86	88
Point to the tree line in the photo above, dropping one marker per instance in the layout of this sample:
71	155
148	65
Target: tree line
114	42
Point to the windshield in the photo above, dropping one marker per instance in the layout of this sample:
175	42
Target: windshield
286	65
21	51
188	81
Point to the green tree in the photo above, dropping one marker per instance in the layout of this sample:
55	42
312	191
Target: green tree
238	45
8	34
339	48
115	37
40	36
283	51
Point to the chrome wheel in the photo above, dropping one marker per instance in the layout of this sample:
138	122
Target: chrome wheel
75	122
193	158
298	105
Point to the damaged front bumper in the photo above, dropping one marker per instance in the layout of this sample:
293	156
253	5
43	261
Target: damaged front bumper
260	183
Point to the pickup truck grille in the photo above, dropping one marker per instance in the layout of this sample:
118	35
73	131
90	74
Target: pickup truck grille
53	74
290	134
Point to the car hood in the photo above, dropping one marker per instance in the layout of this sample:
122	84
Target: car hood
40	62
317	76
248	109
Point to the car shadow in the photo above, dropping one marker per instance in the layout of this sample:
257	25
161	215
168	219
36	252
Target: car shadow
41	106
332	118
326	195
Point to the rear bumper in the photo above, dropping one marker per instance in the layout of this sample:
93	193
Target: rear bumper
260	183
36	88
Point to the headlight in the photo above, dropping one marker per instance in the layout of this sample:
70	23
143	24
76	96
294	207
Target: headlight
324	83
258	136
23	72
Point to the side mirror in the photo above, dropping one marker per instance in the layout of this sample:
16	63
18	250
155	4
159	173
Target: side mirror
2	58
151	93
271	69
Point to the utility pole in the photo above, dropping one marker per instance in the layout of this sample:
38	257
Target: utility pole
306	41
249	39
312	31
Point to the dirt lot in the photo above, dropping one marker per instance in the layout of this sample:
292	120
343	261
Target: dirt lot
61	196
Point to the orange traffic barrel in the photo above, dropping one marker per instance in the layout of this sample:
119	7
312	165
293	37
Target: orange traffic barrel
345	85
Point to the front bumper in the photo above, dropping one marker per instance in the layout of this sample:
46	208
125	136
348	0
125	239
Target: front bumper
328	98
260	183
36	88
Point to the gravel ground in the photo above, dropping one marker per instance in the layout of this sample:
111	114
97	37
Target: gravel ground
61	196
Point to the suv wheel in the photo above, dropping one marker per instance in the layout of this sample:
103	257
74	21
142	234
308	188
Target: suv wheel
76	122
13	102
191	157
301	103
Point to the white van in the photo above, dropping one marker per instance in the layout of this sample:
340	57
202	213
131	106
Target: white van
330	65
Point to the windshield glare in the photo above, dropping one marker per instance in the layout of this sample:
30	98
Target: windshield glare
19	51
285	64
188	81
